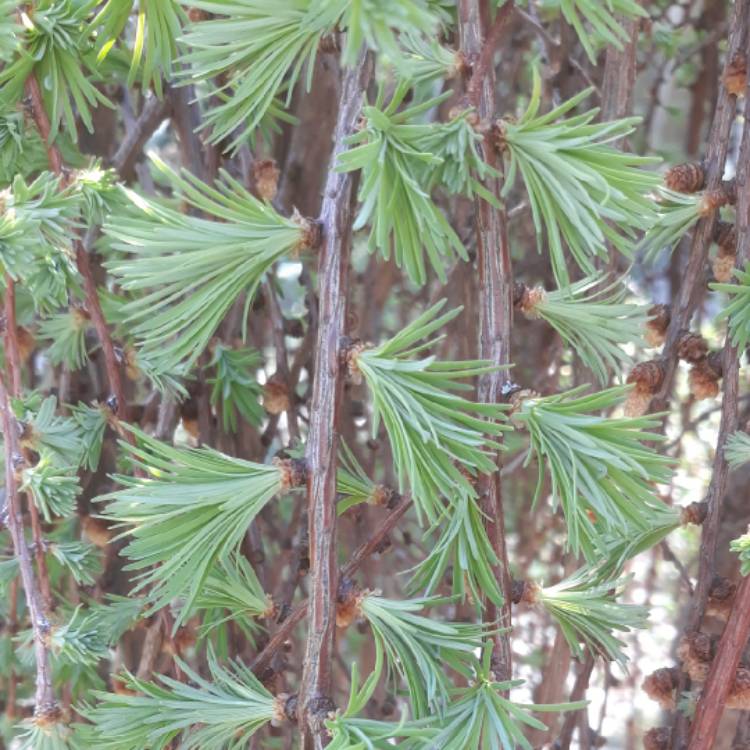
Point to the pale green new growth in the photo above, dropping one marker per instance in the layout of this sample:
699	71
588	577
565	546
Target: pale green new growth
583	192
158	26
191	269
418	648
462	547
66	333
480	716
431	429
603	17
741	547
189	508
595	321
222	713
401	158
586	608
234	387
57	50
602	474
737	312
737	449
676	214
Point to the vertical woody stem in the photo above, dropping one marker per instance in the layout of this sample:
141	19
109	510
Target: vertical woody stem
734	638
336	219
45	704
478	38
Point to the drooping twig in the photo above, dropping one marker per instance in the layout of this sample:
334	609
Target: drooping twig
716	154
13	354
734	638
45	704
82	259
154	111
333	274
495	294
367	548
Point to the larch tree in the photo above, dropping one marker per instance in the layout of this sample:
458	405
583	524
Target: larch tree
370	370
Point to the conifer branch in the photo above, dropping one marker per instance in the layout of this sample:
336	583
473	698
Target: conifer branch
187	510
333	274
591	317
219	258
495	286
583	192
602	473
734	638
45	704
439	439
93	304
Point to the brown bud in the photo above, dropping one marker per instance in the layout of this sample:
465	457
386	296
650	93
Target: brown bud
348	603
685	178
497	136
735	75
694	514
276	396
26	343
519	290
351	349
380	496
266	178
721	597
460	66
530	300
120	687
691	347
713	200
739	693
696	651
657	324
703	381
96	530
311	234
660	686
196	14
131	364
725	236
293	472
647	378
524	591
657	738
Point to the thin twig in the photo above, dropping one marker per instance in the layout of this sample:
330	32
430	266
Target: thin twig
358	557
336	218
93	304
44	697
154	112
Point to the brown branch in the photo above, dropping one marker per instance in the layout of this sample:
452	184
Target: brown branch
12	350
358	557
576	694
495	298
720	678
82	259
154	111
44	697
479	48
721	675
716	154
337	215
